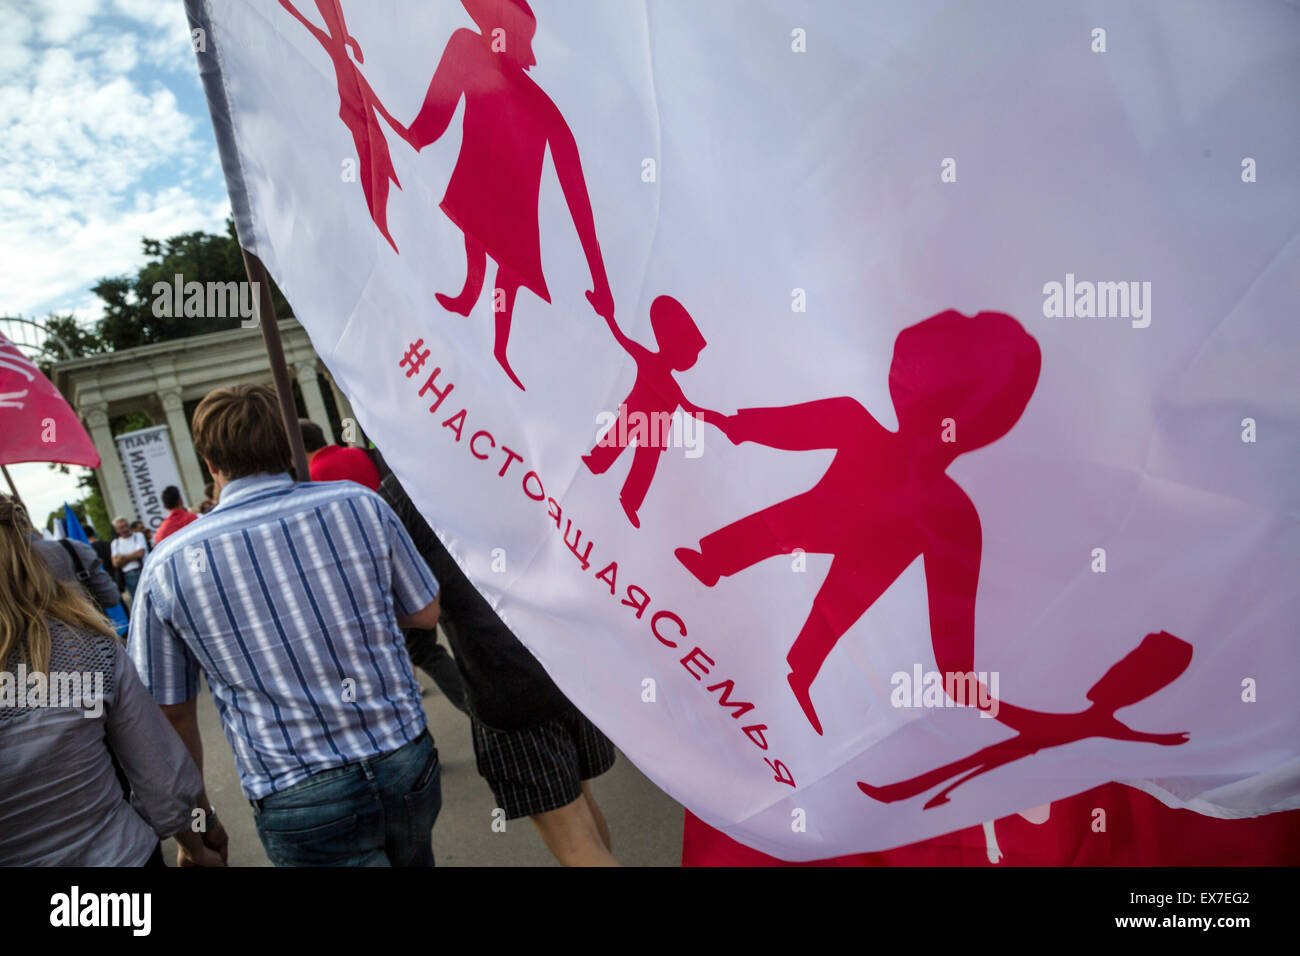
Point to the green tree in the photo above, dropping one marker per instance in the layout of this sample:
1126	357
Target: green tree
77	338
128	320
129	301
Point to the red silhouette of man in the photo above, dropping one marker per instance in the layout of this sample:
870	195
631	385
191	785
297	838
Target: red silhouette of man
958	383
655	396
357	106
493	193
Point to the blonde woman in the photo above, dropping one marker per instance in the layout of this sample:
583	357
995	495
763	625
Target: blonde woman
68	692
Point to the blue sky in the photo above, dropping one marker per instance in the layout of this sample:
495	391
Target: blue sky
104	138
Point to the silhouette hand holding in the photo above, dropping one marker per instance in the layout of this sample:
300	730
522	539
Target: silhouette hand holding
721	422
602	300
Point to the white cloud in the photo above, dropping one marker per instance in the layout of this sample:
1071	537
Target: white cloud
167	43
96	152
92	158
15	55
119	55
150	11
61	20
44	489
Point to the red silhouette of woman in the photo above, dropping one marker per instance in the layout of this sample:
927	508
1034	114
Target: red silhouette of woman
357	106
958	383
655	396
493	193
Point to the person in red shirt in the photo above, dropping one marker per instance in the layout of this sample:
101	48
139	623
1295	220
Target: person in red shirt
177	517
335	462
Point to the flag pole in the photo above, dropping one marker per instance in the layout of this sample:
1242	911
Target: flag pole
12	487
256	273
223	128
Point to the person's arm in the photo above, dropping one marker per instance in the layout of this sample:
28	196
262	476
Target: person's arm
425	619
372	98
101	583
442	96
952	574
629	345
568	169
184	719
168	671
321	36
824	423
167	785
415	589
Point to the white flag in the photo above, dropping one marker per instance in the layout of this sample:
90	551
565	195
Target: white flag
878	419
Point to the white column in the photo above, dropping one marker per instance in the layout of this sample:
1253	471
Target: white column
182	446
311	394
112	481
345	412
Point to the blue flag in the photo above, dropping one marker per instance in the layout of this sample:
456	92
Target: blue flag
72	526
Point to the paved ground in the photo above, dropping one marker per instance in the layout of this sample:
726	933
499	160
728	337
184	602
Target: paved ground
645	823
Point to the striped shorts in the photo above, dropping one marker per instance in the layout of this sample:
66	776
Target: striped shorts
541	768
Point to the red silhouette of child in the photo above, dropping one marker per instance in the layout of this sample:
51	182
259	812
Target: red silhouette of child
958	384
1153	664
493	193
654	397
357	106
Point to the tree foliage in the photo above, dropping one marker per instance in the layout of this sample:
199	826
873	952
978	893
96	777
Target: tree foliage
129	320
129	316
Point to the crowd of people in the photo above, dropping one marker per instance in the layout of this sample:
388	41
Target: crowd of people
306	605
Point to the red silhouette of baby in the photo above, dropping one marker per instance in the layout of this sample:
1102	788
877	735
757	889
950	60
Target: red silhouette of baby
655	396
492	197
958	384
357	106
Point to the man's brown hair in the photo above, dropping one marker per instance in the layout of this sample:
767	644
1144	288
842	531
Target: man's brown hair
238	430
313	438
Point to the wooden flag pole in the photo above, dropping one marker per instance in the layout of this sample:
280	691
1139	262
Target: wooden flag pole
256	273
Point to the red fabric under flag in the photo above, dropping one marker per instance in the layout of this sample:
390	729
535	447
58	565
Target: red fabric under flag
36	421
1110	825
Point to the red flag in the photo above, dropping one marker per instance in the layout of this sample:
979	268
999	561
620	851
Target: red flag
1110	825
36	422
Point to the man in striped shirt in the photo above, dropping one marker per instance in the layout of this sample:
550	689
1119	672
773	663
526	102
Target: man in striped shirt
291	599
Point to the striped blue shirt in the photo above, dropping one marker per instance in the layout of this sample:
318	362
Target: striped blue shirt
287	596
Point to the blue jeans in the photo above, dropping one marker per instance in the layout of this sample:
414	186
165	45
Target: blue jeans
131	579
376	812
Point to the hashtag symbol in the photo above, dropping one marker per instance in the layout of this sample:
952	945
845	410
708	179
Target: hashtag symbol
414	359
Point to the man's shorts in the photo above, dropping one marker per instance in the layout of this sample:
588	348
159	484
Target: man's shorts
541	768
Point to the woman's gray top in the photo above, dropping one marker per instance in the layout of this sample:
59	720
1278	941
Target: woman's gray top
60	801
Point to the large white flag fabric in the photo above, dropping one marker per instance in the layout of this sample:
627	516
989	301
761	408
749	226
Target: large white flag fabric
878	418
